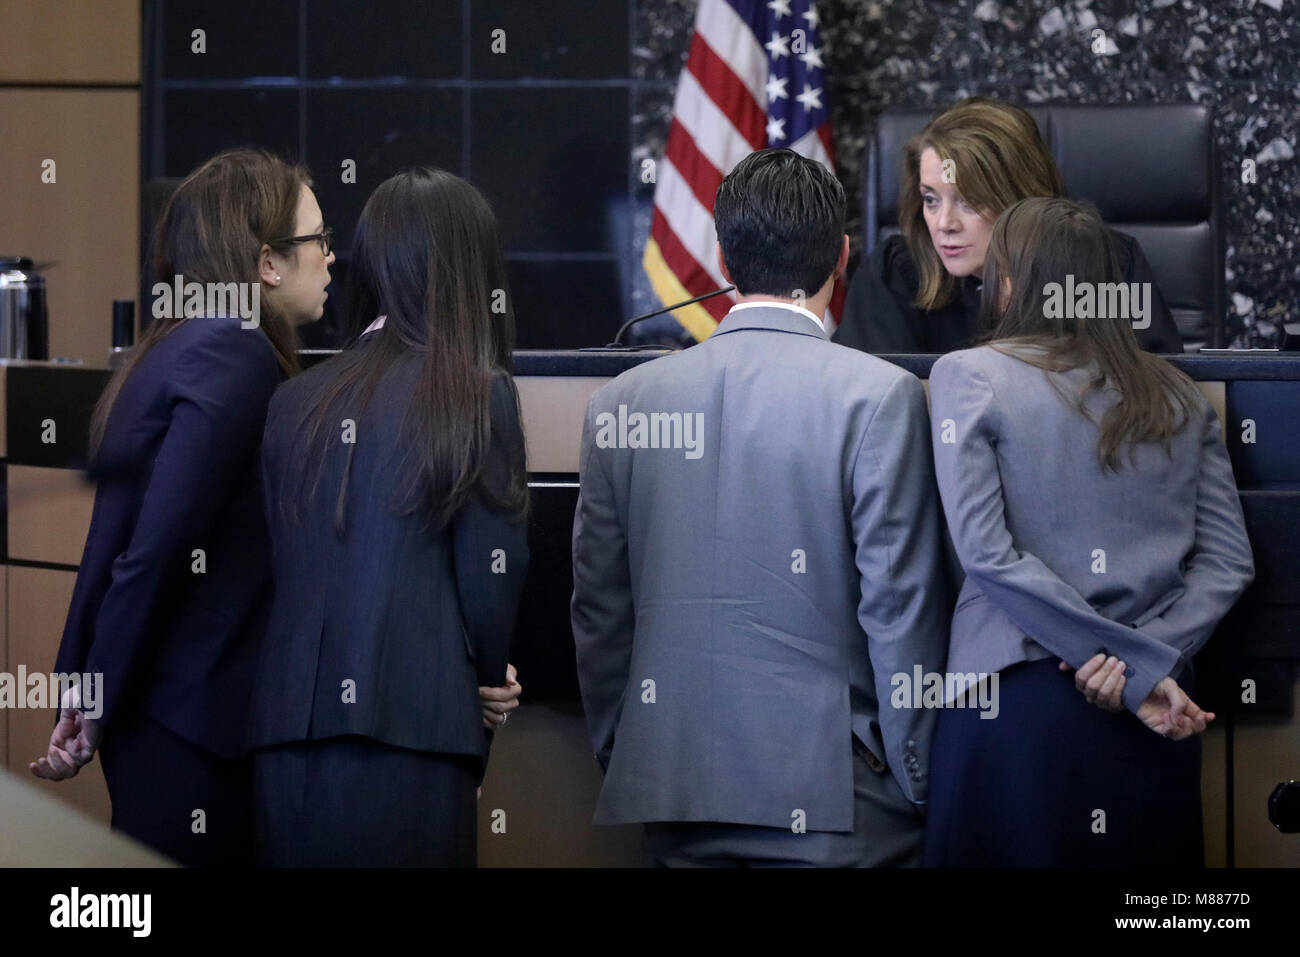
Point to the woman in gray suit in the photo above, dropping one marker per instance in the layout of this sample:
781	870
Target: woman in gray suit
1092	505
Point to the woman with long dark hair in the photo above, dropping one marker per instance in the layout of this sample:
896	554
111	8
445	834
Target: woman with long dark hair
170	595
396	492
919	291
1093	508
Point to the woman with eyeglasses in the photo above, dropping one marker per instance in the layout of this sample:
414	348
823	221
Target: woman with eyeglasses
170	597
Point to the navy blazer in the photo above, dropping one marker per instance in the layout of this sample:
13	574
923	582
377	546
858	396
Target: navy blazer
172	590
389	631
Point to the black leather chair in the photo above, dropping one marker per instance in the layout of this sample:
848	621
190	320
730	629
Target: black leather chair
1149	168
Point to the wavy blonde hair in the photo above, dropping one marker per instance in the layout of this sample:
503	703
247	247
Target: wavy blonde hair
1000	159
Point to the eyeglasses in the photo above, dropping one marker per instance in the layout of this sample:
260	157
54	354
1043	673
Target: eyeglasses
324	238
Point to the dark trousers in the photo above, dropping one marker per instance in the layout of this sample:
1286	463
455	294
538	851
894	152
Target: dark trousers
887	830
176	797
356	802
1054	781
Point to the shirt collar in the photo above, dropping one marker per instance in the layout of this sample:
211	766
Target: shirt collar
780	305
377	324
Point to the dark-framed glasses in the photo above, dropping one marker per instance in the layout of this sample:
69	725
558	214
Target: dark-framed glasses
324	238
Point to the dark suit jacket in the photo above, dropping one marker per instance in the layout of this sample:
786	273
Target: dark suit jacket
177	471
389	632
879	316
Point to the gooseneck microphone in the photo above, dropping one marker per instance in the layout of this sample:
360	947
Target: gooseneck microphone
618	336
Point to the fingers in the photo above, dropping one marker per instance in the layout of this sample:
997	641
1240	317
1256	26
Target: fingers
503	693
82	747
1086	672
511	674
1095	676
1199	717
55	766
500	707
1110	695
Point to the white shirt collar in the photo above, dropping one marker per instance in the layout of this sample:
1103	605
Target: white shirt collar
780	305
377	324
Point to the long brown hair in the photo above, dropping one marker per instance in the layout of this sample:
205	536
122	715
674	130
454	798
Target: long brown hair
1000	158
212	230
426	254
1037	242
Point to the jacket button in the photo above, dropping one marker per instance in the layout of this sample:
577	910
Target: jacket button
1129	672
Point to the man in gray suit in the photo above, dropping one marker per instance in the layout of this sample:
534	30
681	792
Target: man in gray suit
756	556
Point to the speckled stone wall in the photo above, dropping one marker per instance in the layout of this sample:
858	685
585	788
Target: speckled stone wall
1241	56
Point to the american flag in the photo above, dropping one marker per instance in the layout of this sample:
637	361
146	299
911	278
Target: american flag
754	78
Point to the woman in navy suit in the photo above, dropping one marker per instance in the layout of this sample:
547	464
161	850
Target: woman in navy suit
396	494
1093	508
170	595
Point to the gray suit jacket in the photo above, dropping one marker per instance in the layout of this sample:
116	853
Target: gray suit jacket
1062	559
739	607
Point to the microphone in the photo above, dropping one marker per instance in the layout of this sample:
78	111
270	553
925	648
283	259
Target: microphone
618	336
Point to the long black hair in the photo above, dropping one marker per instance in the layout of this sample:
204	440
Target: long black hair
426	254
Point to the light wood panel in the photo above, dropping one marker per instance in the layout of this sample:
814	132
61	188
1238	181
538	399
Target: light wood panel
49	514
88	218
38	603
552	409
70	41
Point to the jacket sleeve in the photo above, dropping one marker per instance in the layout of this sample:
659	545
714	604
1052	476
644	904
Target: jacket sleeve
904	607
875	320
1221	563
218	407
491	547
1162	336
1039	602
110	531
601	612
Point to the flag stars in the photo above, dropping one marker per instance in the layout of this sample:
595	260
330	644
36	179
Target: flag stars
778	47
812	59
781	8
775	130
776	88
810	98
810	15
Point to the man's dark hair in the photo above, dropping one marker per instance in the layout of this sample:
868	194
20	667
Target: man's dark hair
780	220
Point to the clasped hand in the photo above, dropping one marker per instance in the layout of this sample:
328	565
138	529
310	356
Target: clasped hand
72	744
498	702
1167	710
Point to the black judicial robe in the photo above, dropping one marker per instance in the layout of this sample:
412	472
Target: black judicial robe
879	316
